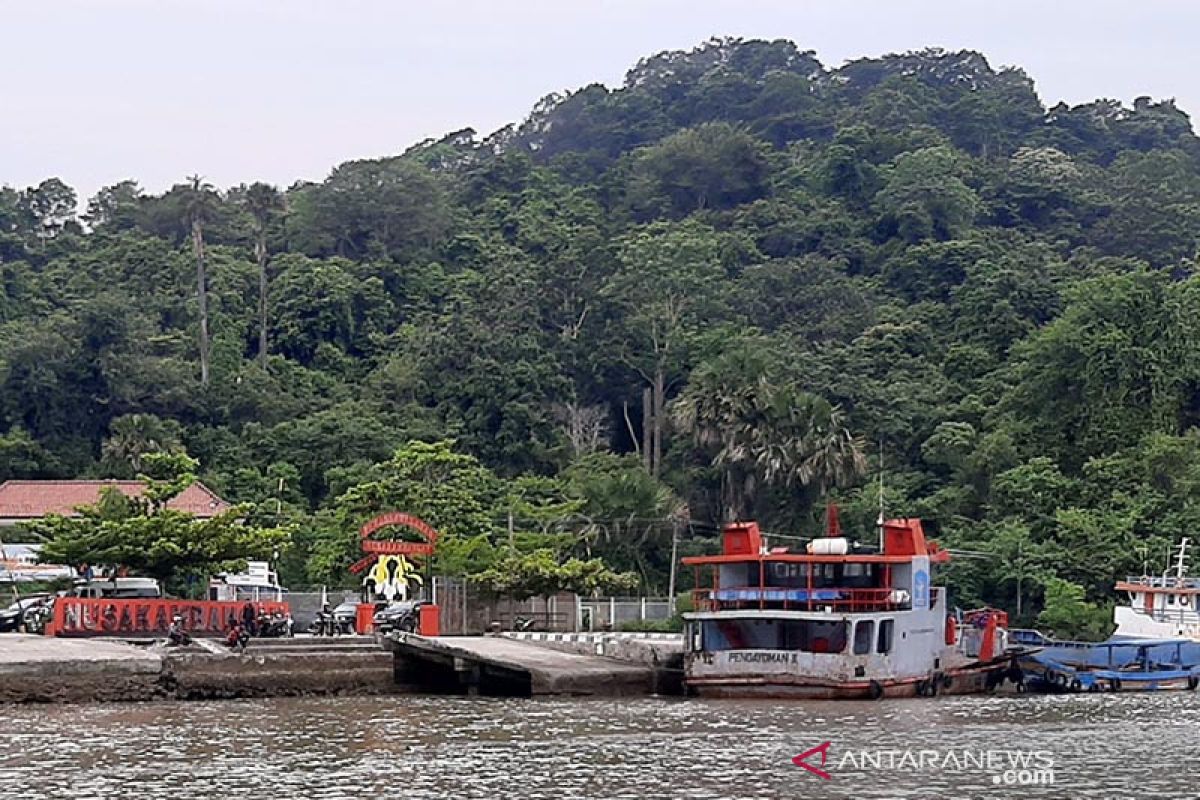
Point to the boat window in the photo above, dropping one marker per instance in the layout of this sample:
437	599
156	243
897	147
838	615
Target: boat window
808	636
864	632
1170	599
884	645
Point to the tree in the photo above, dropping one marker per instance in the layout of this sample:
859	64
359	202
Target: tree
389	208
263	201
762	432
541	574
51	207
709	166
141	533
135	436
1069	616
925	196
664	288
199	206
451	491
115	207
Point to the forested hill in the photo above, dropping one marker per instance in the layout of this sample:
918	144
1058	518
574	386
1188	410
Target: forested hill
727	285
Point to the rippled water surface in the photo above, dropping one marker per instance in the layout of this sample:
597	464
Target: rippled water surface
1107	746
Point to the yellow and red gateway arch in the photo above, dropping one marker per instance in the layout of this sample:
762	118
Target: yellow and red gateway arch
429	624
374	548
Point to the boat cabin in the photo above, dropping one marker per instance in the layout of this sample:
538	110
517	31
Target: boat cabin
832	575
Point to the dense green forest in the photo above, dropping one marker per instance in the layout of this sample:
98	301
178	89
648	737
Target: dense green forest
727	288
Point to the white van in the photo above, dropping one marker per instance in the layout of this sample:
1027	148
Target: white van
118	588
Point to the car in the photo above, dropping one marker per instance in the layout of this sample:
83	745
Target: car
399	616
12	617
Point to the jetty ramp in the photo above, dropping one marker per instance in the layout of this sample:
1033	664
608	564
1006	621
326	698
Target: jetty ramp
498	665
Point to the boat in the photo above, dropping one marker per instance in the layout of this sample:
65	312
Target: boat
1115	665
838	621
1160	606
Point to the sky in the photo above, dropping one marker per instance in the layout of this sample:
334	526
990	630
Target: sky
96	91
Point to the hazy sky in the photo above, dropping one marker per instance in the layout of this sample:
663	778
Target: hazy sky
95	91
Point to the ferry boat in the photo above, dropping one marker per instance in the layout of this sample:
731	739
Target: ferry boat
840	620
1160	606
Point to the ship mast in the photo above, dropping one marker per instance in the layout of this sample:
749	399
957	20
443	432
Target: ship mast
1181	560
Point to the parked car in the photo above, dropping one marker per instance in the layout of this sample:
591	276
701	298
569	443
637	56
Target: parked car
13	617
404	616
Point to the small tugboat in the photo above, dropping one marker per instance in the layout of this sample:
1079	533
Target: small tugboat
1160	606
840	620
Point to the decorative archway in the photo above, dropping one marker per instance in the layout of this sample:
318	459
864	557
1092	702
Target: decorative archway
374	548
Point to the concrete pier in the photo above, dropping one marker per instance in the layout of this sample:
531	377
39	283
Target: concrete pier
44	669
41	669
502	666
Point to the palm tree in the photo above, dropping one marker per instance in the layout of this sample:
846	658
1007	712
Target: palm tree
263	201
761	433
719	414
132	436
200	203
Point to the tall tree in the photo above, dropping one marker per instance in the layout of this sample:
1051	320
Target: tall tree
200	202
665	287
263	201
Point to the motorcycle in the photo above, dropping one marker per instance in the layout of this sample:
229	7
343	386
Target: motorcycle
275	626
37	618
329	624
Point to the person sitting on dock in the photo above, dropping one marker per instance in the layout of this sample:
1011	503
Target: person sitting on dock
176	635
237	638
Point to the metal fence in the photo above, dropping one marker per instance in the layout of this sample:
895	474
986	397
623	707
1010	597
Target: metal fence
600	613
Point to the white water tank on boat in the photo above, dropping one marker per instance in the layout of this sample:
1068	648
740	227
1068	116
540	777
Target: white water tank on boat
829	546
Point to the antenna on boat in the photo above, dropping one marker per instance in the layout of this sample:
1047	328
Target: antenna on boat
1181	561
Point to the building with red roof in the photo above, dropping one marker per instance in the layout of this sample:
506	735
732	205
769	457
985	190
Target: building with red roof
22	501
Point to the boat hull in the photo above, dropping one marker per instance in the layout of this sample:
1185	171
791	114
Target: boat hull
979	679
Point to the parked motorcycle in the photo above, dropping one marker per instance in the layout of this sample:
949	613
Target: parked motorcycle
337	622
274	626
36	619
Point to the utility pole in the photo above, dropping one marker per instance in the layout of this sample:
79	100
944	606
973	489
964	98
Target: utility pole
12	578
676	524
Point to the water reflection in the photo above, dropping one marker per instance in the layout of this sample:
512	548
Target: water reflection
1105	746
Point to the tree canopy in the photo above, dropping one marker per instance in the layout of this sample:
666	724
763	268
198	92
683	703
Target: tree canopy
729	286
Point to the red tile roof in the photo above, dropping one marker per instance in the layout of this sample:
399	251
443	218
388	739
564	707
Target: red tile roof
34	499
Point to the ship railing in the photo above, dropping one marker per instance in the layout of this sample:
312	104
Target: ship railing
1163	581
1182	614
741	598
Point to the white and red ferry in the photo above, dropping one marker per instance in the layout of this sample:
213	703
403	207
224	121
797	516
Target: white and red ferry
840	620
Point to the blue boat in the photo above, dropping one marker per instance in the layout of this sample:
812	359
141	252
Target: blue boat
1120	664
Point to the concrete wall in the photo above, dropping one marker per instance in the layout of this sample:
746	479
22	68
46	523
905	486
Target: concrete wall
193	676
305	605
